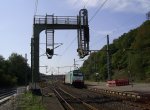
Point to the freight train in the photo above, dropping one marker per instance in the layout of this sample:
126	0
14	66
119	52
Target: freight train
75	78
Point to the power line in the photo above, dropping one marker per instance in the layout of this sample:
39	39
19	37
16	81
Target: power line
86	3
69	45
75	3
117	27
67	48
81	3
100	7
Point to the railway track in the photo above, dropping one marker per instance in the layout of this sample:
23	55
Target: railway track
71	102
132	99
5	94
101	101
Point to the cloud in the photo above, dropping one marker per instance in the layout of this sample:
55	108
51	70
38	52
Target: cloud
134	6
82	3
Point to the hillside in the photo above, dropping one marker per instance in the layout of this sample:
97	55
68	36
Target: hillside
130	57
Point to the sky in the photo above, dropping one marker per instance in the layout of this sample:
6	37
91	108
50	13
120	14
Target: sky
106	17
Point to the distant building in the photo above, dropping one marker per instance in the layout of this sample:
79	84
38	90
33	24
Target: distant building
148	15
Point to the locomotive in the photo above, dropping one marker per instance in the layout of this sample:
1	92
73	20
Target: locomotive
75	78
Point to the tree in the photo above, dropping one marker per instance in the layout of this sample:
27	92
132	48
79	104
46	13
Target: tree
19	68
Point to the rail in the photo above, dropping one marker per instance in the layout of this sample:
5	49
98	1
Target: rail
73	100
68	105
5	94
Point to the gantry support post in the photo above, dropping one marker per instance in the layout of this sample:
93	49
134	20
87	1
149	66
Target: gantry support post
35	58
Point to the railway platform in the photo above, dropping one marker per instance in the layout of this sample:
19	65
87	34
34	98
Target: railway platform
141	87
138	91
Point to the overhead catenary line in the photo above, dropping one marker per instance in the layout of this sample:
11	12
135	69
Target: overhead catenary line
74	39
75	3
86	3
82	3
100	7
67	48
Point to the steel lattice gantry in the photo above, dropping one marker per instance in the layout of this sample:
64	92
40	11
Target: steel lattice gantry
49	23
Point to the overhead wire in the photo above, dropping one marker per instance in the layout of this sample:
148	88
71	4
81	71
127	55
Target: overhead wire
83	3
75	3
67	48
111	32
35	12
74	39
86	3
70	44
121	26
99	8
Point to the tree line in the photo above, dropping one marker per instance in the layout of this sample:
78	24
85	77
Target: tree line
14	71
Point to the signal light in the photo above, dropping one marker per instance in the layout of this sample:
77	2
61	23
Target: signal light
50	51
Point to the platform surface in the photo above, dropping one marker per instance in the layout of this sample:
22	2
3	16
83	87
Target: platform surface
135	87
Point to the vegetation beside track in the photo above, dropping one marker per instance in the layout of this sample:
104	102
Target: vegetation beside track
14	71
129	58
28	101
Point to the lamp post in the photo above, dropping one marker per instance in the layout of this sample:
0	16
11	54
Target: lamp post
26	69
108	59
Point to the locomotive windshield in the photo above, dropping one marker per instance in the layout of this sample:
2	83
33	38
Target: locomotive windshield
77	73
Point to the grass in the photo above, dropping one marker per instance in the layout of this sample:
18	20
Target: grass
28	101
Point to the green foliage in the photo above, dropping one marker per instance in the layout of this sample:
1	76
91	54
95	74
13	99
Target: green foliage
30	102
14	71
130	57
